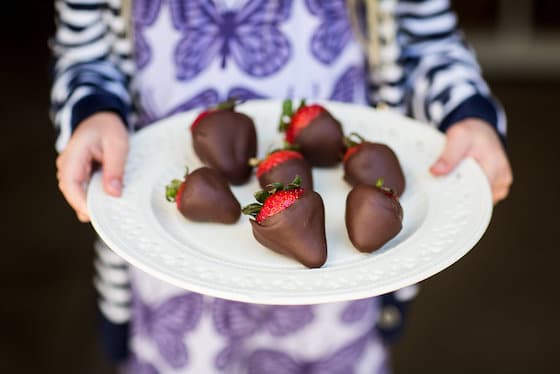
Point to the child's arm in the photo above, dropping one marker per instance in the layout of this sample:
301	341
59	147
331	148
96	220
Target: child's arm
444	86
90	101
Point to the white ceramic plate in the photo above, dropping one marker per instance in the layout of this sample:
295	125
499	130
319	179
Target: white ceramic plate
443	217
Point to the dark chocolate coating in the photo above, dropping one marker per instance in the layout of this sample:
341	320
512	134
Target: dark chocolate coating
298	231
286	172
371	162
372	218
208	198
225	140
321	142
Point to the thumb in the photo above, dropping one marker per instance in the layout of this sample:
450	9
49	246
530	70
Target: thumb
115	151
456	147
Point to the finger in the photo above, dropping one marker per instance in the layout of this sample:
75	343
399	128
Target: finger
500	194
73	176
83	217
114	155
456	148
502	187
75	194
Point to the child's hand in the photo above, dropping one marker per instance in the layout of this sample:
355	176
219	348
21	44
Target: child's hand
476	138
101	138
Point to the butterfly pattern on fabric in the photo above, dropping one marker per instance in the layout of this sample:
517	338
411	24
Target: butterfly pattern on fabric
145	13
149	113
277	362
334	31
134	365
249	35
236	321
166	324
347	85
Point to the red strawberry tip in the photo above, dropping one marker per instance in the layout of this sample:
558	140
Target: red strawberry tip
275	158
261	196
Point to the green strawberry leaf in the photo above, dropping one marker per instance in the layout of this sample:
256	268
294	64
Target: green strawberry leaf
171	190
286	116
252	209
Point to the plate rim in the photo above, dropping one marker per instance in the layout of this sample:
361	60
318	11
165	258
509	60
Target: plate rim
323	296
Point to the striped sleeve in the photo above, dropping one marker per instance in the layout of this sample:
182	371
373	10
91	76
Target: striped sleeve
112	284
92	64
428	70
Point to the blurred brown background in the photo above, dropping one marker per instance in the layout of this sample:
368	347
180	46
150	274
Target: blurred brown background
495	311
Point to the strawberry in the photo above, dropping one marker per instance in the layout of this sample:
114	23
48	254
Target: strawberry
290	220
226	105
282	165
366	162
373	216
317	133
204	196
224	140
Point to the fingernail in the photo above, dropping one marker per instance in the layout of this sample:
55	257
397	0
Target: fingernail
440	165
115	185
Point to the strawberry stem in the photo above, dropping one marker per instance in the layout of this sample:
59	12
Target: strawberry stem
254	162
349	143
290	147
261	195
252	209
296	183
285	147
286	116
171	190
229	104
387	190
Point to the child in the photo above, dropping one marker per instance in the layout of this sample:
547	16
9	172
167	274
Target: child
181	54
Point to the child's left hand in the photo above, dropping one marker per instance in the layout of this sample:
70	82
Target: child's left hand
475	138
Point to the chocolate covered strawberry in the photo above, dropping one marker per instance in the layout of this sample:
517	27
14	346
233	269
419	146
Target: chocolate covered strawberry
373	216
224	140
204	196
317	133
366	162
290	220
282	165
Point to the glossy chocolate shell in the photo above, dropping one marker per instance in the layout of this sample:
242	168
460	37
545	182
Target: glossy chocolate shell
207	197
286	172
225	140
297	232
371	162
372	217
321	142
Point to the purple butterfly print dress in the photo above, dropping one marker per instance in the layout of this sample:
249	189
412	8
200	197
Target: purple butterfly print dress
195	53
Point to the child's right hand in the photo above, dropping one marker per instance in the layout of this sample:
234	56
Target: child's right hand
101	138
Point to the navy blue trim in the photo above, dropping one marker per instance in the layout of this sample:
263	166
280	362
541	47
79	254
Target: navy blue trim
113	338
476	106
97	102
391	335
